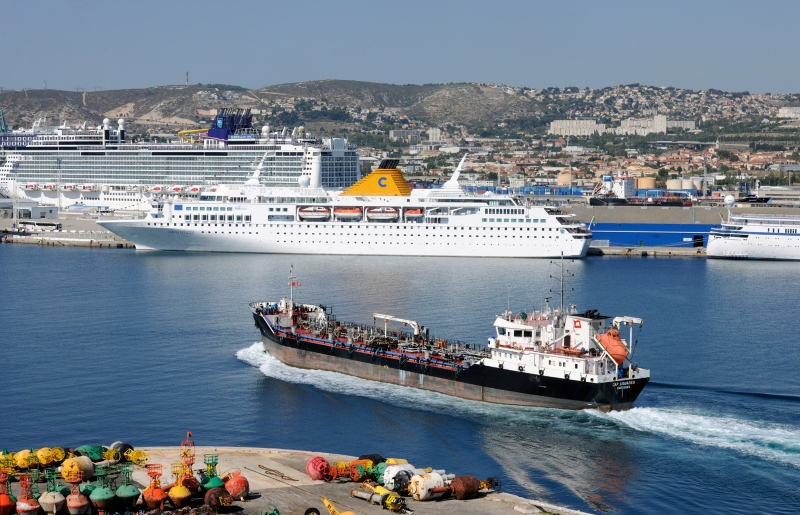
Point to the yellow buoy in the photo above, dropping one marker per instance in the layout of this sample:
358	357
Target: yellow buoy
396	461
82	464
45	455
21	459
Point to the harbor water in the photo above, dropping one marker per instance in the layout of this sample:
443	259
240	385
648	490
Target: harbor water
103	345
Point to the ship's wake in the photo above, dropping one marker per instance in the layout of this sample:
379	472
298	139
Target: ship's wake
774	442
769	441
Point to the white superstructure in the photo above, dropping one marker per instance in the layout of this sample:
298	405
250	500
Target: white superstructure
755	237
98	166
379	215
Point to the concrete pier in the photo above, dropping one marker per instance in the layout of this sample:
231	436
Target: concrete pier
76	231
287	486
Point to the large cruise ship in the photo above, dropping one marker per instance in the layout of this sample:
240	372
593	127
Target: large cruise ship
98	166
755	236
379	215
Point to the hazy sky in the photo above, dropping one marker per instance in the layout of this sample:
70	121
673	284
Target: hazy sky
731	45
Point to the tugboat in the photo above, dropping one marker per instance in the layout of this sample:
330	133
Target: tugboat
554	358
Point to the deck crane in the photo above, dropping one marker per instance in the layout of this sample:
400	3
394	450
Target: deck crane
417	328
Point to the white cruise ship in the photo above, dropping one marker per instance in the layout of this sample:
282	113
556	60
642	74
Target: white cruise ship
379	215
97	166
755	236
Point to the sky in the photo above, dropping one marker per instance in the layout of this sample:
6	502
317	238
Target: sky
730	45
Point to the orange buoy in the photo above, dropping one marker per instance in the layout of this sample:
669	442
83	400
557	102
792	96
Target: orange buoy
613	345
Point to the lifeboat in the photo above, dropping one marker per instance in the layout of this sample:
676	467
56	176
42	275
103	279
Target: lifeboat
314	213
612	343
31	186
88	187
68	187
347	213
194	190
157	189
382	213
414	213
176	189
568	351
49	187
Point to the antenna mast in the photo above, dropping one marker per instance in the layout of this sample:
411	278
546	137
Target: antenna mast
568	274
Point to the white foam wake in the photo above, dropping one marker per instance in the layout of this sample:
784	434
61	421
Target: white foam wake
773	442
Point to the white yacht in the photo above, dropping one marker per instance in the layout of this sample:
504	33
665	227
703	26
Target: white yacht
755	236
379	215
98	166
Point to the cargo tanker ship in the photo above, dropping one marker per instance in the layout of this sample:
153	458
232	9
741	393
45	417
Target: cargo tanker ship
554	358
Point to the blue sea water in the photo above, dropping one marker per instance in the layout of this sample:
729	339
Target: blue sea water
102	345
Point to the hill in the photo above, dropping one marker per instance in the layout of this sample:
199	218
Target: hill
429	103
180	106
164	106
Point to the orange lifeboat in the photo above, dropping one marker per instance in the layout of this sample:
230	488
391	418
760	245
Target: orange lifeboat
613	345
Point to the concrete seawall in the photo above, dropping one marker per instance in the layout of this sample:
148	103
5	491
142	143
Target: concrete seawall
278	477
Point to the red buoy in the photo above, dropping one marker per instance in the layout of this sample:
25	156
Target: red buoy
236	484
317	468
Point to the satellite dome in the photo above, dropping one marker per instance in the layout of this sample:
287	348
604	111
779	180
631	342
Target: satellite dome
121	122
729	200
106	121
304	181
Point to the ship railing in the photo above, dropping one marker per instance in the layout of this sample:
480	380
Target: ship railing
370	350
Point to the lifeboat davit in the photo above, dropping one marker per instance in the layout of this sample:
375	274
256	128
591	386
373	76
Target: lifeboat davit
347	213
414	213
314	213
612	343
382	213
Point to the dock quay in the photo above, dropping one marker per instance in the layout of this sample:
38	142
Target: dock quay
76	231
661	252
278	477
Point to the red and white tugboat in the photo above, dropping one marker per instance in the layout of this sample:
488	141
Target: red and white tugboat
555	358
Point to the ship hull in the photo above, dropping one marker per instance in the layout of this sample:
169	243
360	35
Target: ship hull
477	382
766	246
263	240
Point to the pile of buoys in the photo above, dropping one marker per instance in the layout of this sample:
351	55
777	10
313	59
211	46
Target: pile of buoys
81	464
386	480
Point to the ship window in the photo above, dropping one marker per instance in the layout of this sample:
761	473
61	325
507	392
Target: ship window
517	332
196	217
205	217
527	334
230	209
213	218
501	330
230	218
246	218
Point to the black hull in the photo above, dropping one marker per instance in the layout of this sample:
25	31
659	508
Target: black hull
478	382
607	201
